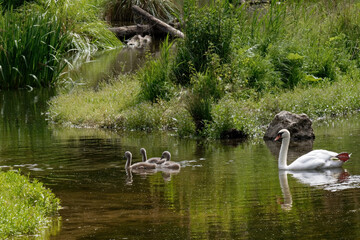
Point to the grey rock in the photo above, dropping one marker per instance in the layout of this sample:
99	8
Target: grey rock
299	126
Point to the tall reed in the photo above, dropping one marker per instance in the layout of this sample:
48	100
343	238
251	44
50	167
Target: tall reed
31	48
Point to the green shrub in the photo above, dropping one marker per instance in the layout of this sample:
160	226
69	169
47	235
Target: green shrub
185	124
228	115
154	77
206	88
144	116
207	29
254	72
289	63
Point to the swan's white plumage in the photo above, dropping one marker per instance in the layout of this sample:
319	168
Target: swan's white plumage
316	159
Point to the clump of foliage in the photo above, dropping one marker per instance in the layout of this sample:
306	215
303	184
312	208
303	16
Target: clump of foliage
155	76
207	29
26	206
206	89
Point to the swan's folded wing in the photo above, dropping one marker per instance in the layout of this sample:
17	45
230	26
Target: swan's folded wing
307	162
322	154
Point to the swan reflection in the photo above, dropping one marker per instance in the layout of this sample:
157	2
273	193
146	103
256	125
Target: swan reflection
166	173
335	179
142	172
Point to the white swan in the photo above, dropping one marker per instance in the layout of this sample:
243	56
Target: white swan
316	159
139	165
158	160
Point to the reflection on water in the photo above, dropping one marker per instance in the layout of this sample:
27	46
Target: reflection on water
336	179
223	191
101	67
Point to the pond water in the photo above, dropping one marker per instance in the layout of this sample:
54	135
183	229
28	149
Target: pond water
224	190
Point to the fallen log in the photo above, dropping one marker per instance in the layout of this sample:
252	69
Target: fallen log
157	22
129	31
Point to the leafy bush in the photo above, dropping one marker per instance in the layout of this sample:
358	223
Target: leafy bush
288	63
209	28
206	88
144	116
347	23
154	77
229	115
254	72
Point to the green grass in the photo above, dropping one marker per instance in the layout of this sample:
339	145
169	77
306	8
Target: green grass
26	206
100	108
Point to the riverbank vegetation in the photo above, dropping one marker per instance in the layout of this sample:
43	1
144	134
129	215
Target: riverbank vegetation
27	207
37	38
235	69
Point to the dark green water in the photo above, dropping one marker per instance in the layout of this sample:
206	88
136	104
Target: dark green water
225	190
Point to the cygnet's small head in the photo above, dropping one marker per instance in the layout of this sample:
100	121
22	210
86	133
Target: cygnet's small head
283	133
128	155
166	155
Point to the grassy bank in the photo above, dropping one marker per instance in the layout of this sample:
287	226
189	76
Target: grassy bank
26	206
235	69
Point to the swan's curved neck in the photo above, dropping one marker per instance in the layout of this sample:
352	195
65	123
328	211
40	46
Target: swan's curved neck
144	157
283	153
128	162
